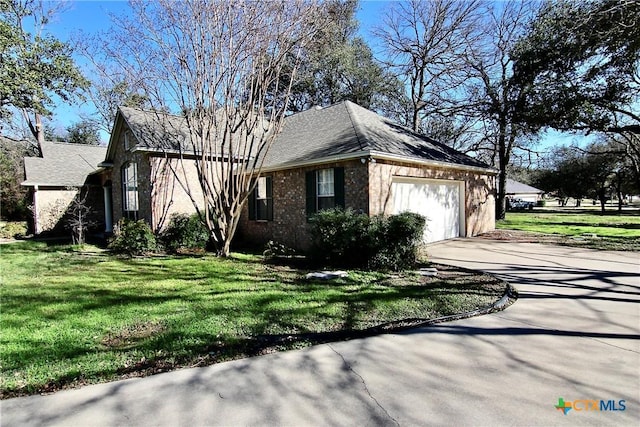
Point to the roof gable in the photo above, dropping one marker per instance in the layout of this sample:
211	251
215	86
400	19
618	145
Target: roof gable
153	131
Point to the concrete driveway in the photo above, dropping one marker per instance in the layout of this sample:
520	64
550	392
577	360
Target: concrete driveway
573	334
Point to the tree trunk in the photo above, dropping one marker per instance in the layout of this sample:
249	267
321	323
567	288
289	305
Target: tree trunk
37	130
223	232
415	119
503	161
602	196
40	131
620	201
501	208
619	192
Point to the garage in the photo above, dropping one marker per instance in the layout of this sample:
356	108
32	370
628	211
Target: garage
440	201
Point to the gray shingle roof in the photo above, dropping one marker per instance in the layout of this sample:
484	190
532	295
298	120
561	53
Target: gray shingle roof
347	128
339	130
157	130
63	164
516	187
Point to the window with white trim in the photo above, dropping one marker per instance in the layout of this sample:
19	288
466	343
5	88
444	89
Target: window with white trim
130	190
325	189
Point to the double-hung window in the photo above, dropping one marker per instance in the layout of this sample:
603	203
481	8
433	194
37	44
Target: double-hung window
325	183
130	190
325	189
261	200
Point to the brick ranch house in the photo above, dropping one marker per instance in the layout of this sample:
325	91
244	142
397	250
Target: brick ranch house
341	155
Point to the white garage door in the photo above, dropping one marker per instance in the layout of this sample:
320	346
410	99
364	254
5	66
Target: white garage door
438	200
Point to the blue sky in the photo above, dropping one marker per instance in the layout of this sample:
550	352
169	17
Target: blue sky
91	16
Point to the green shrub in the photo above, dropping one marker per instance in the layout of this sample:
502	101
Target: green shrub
541	203
133	238
394	241
347	239
184	232
11	230
340	237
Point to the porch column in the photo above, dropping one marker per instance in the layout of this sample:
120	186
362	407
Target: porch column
108	217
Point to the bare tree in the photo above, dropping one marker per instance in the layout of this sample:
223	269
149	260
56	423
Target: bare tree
455	57
214	64
113	83
162	192
424	41
492	93
78	216
627	146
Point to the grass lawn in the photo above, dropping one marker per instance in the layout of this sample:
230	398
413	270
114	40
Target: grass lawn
71	317
601	231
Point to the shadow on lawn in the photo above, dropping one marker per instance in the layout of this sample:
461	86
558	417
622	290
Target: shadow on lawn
230	348
436	365
181	293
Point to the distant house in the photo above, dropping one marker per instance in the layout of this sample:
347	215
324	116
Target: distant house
519	190
342	155
63	173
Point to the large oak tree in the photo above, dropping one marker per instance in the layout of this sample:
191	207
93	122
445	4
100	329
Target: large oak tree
580	65
455	59
34	67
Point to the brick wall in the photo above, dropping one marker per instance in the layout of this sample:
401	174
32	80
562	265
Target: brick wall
50	206
122	156
479	191
289	225
53	207
168	195
160	195
367	188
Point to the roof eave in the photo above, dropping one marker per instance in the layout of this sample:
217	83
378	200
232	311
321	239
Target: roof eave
377	155
99	170
141	149
49	184
178	153
428	162
318	161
